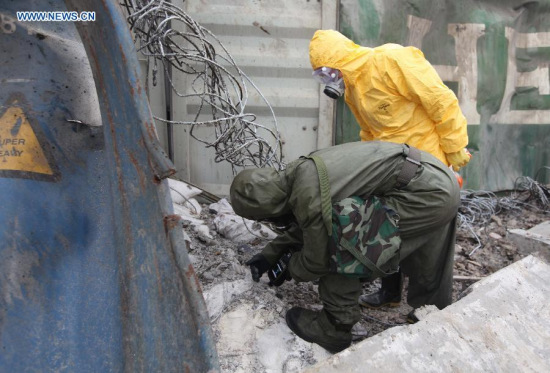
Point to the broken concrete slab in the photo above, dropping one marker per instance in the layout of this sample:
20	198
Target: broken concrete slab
258	340
502	325
221	295
252	338
532	240
542	229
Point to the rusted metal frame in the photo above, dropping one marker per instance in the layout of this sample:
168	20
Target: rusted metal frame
165	321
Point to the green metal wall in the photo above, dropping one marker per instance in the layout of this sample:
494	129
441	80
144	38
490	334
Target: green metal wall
494	54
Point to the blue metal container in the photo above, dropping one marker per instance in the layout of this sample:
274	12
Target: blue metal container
94	272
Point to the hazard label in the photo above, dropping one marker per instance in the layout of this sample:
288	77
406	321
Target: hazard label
20	149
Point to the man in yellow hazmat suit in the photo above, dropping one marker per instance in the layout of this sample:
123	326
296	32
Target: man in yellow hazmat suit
396	96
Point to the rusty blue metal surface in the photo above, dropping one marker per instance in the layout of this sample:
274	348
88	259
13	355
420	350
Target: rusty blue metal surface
94	273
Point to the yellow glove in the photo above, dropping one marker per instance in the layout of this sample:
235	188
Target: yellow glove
459	159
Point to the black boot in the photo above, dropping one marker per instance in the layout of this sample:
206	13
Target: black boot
320	328
388	295
411	317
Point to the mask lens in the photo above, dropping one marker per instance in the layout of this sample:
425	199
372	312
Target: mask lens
334	83
325	75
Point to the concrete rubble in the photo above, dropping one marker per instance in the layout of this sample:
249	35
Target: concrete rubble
226	223
263	342
234	227
532	240
252	338
502	325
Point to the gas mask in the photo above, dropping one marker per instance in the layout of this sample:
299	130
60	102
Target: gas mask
334	83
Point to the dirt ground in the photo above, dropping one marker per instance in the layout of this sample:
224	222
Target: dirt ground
482	248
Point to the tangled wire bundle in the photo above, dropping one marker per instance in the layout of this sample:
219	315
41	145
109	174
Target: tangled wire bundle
477	207
169	37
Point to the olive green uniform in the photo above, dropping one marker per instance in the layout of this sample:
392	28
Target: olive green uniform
427	207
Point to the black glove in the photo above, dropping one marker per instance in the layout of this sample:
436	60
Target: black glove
258	266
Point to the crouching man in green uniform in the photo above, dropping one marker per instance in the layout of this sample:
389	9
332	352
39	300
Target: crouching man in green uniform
426	202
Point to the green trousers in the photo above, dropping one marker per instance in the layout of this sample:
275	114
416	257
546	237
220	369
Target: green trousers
427	260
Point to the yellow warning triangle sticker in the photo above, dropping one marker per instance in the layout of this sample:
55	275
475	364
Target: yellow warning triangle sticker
19	146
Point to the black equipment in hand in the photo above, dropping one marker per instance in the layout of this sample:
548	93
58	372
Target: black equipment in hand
279	272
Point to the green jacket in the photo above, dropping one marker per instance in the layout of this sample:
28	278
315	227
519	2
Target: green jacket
430	200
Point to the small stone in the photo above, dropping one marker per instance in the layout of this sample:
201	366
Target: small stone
494	235
193	259
207	241
497	220
229	254
244	249
208	276
222	266
216	273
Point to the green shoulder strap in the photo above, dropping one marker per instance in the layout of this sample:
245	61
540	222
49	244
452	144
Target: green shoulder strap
363	259
326	205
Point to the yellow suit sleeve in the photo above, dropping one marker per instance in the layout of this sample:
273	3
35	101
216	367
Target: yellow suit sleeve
416	79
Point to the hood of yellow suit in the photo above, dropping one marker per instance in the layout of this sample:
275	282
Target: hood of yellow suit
332	49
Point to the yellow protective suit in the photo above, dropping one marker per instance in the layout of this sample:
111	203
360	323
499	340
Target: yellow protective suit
396	95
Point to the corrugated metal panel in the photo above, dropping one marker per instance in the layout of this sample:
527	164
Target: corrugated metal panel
269	41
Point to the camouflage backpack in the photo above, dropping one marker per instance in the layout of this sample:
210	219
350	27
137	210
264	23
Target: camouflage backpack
365	238
364	235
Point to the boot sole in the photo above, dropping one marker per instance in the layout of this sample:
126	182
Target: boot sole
411	318
333	348
389	304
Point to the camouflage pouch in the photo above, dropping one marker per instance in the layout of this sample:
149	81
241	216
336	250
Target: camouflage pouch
365	238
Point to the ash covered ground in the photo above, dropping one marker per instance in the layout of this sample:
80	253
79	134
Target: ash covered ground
483	247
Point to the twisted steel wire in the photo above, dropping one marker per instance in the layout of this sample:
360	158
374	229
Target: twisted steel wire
170	39
478	207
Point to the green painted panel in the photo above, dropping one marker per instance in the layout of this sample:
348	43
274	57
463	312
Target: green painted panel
503	163
506	63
